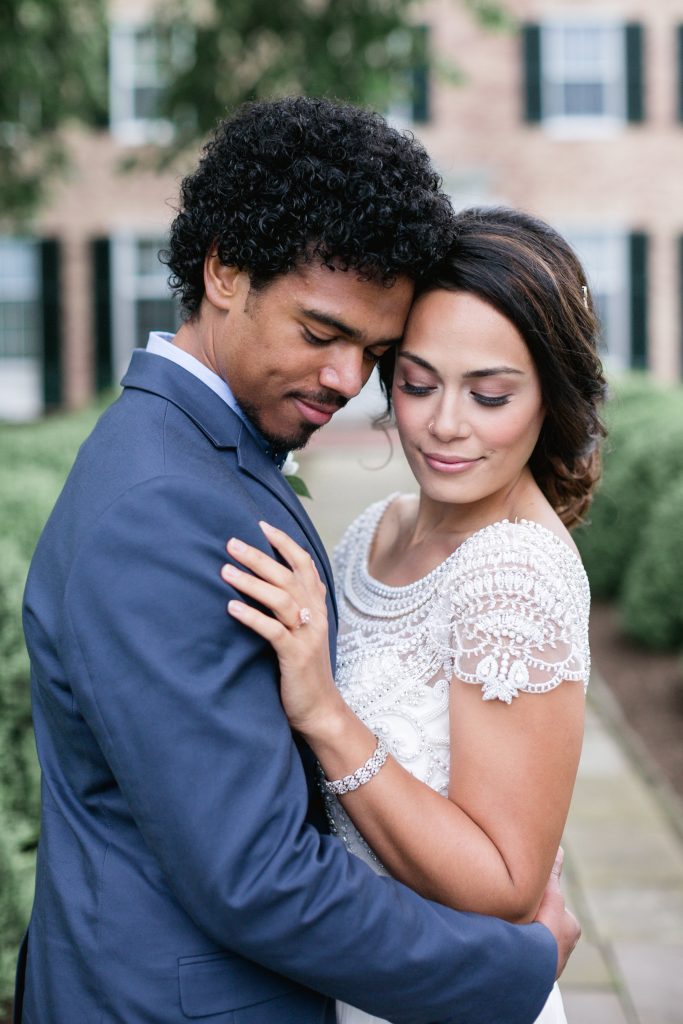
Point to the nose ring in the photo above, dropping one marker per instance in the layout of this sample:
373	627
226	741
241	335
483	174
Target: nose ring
429	428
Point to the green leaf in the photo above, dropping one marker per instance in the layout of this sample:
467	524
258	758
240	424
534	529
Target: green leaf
298	486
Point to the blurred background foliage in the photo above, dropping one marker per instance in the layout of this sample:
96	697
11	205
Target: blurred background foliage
214	54
223	52
631	544
53	60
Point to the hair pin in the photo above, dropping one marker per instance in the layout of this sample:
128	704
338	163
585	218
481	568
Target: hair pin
584	289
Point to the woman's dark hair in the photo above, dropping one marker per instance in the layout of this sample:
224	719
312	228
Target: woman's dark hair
298	180
528	272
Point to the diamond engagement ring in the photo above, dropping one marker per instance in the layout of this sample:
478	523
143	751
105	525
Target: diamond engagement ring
304	617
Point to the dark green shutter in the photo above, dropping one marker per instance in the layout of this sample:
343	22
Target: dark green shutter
635	85
51	322
101	261
420	74
531	49
679	34
638	253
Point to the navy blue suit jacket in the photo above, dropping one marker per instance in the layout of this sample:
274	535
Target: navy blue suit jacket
182	871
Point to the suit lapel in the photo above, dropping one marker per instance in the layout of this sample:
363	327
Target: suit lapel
224	428
253	461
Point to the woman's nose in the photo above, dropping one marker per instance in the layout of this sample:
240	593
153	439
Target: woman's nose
449	424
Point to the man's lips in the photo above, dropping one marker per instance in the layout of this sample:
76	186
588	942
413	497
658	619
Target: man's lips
316	412
449	463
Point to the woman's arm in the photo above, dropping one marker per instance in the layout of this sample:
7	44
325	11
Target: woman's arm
489	847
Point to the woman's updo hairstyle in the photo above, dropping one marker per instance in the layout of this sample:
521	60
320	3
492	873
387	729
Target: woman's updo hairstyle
529	273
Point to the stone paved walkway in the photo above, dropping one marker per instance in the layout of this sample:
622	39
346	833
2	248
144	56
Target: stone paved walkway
624	838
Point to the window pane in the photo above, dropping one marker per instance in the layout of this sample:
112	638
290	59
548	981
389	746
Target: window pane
582	45
18	330
19	299
583	71
146	102
584	99
148	258
155	315
605	260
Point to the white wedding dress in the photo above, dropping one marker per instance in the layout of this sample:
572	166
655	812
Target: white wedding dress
507	611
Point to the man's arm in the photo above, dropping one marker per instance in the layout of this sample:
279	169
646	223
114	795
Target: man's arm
185	706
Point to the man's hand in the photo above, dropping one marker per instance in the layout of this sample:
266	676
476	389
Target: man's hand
555	916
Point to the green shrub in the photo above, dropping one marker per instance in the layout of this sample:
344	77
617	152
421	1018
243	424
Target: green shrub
15	865
652	600
18	767
34	460
643	454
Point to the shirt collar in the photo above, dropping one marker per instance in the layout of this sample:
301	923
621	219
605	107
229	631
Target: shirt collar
160	343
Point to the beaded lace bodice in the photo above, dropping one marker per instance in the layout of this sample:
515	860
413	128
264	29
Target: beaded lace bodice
507	611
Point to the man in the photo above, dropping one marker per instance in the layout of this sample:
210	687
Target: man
183	870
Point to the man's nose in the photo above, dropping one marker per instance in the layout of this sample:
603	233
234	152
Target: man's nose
346	374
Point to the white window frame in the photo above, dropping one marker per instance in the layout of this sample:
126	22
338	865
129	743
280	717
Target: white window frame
129	286
126	75
609	69
21	373
604	254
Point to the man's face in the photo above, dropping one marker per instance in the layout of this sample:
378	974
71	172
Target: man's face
294	352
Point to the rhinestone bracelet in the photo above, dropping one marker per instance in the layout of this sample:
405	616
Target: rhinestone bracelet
361	775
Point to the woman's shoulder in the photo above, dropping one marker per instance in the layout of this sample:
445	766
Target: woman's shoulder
519	557
517	603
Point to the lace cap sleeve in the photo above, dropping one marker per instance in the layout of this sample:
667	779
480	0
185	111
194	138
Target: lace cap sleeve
514	612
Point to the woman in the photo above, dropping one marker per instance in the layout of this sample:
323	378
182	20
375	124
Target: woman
496	391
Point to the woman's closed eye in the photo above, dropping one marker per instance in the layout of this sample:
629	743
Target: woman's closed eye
416	389
491	401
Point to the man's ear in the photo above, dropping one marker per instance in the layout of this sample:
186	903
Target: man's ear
222	284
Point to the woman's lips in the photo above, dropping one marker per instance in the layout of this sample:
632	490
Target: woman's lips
449	463
318	414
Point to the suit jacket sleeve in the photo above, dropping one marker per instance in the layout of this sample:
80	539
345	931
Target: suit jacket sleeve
184	703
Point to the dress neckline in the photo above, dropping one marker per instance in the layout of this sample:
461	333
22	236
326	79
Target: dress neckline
406	588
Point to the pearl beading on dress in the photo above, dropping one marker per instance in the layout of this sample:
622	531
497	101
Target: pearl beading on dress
507	610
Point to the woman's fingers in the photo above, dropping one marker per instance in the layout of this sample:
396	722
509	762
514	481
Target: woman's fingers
292	552
265	625
280	601
259	562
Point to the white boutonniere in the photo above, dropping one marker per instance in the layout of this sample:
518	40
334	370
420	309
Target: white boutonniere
290	470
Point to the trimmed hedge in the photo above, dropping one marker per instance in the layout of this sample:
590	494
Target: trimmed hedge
643	454
652	599
34	460
631	547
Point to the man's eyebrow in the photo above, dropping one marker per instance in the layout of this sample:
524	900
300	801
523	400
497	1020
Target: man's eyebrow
331	321
350	332
489	371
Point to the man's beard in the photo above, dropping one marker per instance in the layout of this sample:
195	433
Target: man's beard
294	441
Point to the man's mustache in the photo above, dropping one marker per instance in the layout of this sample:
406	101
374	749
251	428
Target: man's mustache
320	398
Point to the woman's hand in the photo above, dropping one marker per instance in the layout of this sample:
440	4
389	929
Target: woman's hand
297	628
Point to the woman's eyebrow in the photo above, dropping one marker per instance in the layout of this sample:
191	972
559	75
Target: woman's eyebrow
489	371
403	354
492	371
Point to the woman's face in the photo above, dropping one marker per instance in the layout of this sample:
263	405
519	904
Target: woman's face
467	399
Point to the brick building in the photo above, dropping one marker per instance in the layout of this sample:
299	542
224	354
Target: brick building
575	112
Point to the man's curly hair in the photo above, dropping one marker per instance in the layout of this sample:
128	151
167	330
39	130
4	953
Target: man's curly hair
300	180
